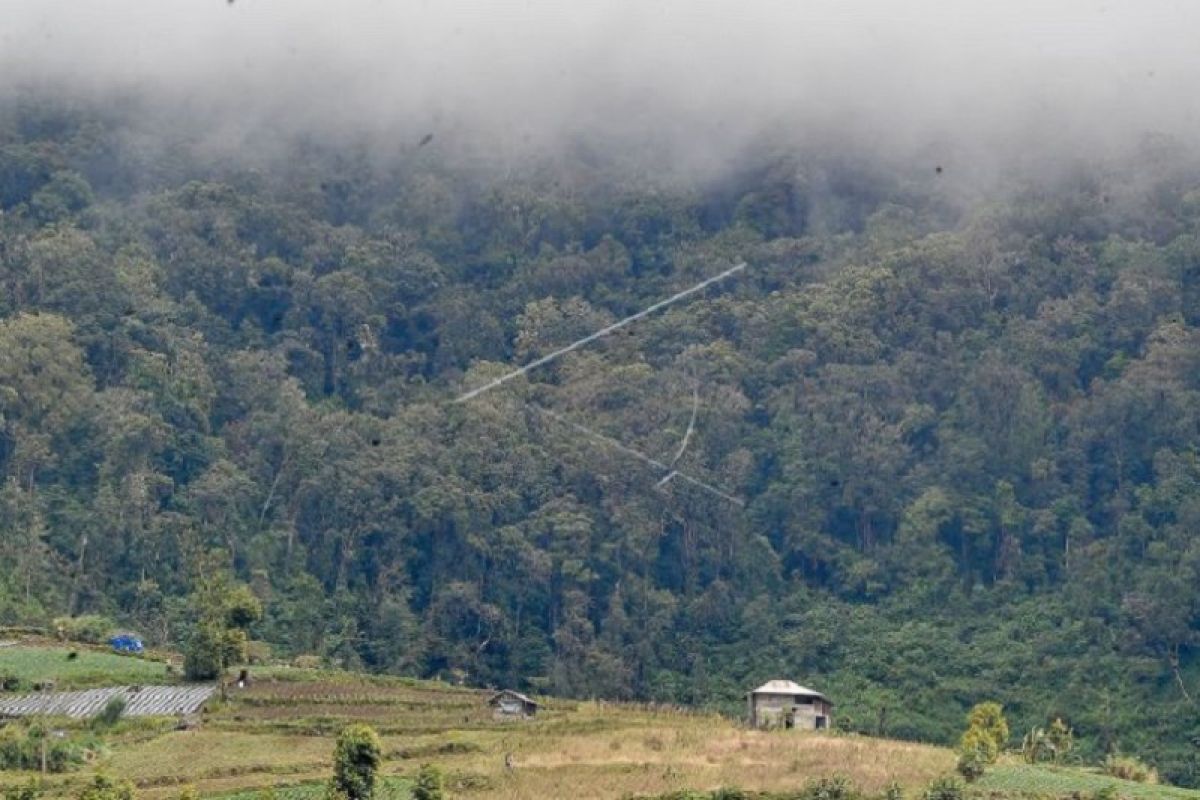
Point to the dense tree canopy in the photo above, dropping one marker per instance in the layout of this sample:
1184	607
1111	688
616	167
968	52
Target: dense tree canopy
966	430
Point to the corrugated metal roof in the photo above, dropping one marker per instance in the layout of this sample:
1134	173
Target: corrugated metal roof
144	701
787	687
511	693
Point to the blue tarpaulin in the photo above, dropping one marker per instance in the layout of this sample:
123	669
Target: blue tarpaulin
126	643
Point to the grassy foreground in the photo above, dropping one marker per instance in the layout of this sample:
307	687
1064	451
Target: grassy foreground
279	733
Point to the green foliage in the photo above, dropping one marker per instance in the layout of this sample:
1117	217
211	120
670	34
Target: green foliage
893	791
22	747
111	713
1035	746
983	741
356	760
429	784
29	791
973	760
944	789
89	628
102	787
986	723
837	787
1061	739
210	649
224	610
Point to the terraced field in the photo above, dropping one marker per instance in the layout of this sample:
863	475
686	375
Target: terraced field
279	734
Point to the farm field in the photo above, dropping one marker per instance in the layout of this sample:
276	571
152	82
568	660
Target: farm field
279	734
1022	780
89	668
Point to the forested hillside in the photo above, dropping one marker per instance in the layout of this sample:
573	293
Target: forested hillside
963	417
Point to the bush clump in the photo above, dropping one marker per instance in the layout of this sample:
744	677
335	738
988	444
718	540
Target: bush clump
103	787
836	788
111	713
356	760
21	749
944	789
430	784
1129	768
89	628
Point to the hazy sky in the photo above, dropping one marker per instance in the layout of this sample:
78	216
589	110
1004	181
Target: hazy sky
704	73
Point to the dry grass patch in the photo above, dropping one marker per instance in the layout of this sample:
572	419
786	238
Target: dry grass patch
652	754
194	756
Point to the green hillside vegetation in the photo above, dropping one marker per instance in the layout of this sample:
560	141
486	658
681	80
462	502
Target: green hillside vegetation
964	424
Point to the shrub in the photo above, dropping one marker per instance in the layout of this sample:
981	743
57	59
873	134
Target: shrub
90	628
21	749
1061	738
1130	769
971	763
258	653
111	712
210	649
987	732
944	789
356	760
835	788
430	785
1034	746
103	787
30	791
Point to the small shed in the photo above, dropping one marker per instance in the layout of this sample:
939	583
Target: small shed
784	704
508	704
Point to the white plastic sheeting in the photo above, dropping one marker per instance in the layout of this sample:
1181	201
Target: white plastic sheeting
144	701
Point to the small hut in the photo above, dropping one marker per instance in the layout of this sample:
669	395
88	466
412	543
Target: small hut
783	704
508	704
